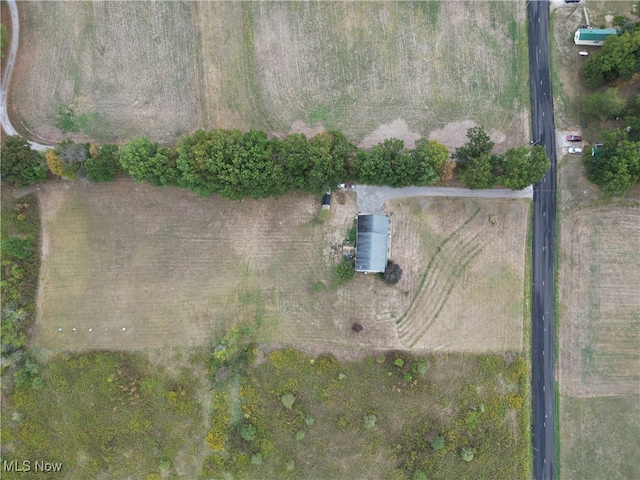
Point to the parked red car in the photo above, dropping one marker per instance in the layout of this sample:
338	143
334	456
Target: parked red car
574	138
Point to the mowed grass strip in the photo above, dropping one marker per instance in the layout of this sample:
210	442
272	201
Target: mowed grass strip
126	68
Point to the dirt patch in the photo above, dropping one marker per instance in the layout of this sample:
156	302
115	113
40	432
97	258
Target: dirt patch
396	129
453	135
309	131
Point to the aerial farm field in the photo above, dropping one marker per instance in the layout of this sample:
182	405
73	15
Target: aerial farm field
129	265
372	70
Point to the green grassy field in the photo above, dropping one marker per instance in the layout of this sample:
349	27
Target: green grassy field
106	414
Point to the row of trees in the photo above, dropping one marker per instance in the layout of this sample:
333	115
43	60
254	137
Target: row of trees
516	169
238	165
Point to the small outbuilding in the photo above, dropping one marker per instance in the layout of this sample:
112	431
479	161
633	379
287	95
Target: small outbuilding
372	243
326	201
593	36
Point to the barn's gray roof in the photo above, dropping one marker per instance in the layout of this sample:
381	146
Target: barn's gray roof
371	243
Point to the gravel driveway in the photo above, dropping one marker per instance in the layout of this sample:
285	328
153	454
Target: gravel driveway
372	199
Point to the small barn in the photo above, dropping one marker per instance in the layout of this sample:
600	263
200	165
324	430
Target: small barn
593	36
372	243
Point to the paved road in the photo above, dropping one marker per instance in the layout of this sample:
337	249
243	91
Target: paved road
544	233
372	199
6	76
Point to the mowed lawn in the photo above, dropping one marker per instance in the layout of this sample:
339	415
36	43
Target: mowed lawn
129	266
161	69
599	330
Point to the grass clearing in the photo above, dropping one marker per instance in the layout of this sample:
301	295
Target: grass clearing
276	66
125	68
176	269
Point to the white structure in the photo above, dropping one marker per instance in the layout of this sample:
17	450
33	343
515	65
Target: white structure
593	36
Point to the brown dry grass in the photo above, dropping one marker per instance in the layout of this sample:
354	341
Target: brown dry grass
598	277
175	269
463	275
128	65
160	69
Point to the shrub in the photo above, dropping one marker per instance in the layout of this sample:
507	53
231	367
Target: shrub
290	465
300	435
256	459
308	419
15	247
399	362
393	273
345	271
438	443
287	400
369	421
318	286
248	432
467	454
419	475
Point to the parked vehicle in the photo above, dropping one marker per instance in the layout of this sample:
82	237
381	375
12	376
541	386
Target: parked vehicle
575	150
574	138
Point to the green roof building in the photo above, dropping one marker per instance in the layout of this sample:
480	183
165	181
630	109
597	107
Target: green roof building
593	36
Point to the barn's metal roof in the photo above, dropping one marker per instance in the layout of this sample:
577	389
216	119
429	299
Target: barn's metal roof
372	243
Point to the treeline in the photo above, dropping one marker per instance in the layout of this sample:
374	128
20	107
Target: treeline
518	168
239	165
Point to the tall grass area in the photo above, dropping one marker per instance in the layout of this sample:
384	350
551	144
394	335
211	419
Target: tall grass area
394	416
102	415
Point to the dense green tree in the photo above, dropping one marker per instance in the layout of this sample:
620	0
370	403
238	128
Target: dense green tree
103	165
478	173
523	166
617	167
326	169
619	58
294	156
231	163
478	146
388	163
147	161
605	104
430	157
20	165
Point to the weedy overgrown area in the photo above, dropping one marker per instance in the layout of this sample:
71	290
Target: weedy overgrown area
392	416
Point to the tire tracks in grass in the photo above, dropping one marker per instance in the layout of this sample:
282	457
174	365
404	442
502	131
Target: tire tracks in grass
452	257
